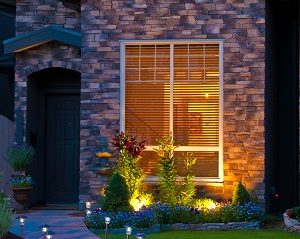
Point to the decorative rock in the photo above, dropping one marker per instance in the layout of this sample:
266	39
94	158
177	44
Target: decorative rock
211	226
291	223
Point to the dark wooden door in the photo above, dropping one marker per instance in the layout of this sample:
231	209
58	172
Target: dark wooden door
62	148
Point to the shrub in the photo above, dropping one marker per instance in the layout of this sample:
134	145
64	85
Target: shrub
130	150
117	195
167	171
187	189
5	217
295	213
141	219
20	156
240	195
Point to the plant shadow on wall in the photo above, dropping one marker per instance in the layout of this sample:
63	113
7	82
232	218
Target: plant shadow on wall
126	203
19	157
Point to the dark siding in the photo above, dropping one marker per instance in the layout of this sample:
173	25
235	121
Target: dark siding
282	113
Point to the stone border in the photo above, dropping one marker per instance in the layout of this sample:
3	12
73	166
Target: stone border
186	227
291	223
153	229
211	226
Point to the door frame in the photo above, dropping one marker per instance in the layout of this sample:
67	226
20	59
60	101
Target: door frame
53	80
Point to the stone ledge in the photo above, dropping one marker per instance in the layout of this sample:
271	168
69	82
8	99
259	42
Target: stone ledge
211	226
292	224
183	227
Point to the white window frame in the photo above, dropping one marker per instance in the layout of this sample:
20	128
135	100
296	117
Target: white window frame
123	44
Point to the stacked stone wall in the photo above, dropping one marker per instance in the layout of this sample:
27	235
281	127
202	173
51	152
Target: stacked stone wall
241	23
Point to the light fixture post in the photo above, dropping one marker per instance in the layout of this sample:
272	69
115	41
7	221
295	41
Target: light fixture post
107	221
22	223
128	232
49	235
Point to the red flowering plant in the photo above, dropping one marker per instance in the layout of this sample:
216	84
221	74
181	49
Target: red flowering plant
129	153
129	143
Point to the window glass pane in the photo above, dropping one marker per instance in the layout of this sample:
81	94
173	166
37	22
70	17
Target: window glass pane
149	163
207	164
147	110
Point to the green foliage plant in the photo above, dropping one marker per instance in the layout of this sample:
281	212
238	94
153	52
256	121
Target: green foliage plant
6	217
20	156
240	195
167	171
187	189
295	213
117	194
130	149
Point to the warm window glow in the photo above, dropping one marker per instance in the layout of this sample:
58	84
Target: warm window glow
175	87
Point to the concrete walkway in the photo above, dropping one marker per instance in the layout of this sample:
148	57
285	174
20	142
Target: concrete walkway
65	223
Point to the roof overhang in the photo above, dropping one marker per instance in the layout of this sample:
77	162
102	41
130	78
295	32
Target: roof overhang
30	40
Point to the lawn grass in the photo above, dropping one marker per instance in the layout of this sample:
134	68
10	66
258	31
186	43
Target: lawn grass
243	234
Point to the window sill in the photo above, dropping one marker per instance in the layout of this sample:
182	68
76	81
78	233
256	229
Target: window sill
153	180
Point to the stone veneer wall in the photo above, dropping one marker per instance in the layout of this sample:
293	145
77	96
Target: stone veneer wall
241	23
33	15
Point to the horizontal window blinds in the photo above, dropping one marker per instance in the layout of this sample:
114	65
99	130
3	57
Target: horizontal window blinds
175	88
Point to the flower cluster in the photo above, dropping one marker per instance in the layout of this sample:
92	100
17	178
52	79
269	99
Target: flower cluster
167	214
140	219
21	181
129	143
234	213
249	211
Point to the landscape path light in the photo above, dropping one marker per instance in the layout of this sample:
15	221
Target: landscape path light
140	236
22	223
88	204
44	228
107	221
128	231
49	234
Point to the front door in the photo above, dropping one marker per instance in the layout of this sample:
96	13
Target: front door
62	148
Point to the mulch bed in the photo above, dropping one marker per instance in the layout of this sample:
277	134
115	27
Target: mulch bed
11	236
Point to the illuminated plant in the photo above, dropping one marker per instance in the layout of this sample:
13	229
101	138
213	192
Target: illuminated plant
240	195
130	149
117	195
167	171
187	189
205	204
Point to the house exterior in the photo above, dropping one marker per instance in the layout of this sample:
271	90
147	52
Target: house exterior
195	68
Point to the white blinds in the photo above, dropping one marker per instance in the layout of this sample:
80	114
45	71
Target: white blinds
175	88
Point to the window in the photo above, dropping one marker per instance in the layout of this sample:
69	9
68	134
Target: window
175	87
